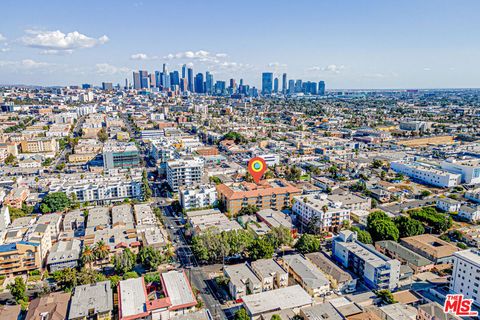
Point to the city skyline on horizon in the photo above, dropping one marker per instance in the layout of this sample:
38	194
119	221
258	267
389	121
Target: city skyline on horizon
410	45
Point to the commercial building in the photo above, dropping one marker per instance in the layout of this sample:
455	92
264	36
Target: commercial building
466	274
426	174
196	197
267	83
330	215
184	172
92	301
120	155
431	247
268	194
242	280
292	297
378	271
37	145
306	274
469	169
406	256
212	220
270	273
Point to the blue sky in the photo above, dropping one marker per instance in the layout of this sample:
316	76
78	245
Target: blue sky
347	43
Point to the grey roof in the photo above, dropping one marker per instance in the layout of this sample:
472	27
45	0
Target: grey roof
324	311
307	271
64	251
436	310
132	299
404	253
178	288
267	267
329	267
91	296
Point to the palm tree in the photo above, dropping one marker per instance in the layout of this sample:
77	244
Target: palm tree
101	250
88	256
169	252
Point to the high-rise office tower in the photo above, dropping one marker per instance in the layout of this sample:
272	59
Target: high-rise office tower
208	83
291	86
126	84
267	82
174	78
199	83
184	71
183	84
220	87
153	81
107	86
158	79
275	85
298	86
321	88
190	79
241	82
284	83
164	69
144	81
136	80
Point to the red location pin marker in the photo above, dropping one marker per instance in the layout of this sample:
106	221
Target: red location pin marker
257	167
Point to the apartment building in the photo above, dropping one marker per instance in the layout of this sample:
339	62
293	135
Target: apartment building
431	247
92	301
378	271
330	214
466	274
199	196
268	194
64	254
448	205
19	258
184	172
426	174
469	169
242	280
36	145
406	256
470	213
270	274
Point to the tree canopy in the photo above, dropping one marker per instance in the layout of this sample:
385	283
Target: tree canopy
308	243
55	201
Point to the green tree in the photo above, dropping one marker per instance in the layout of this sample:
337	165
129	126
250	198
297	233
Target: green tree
10	159
241	314
261	248
66	278
248	210
280	236
130	275
408	227
386	296
383	230
146	191
124	262
377	215
55	201
150	258
438	221
88	256
18	289
275	317
101	250
308	243
102	135
362	235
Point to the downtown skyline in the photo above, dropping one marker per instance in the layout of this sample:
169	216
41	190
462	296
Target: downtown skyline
349	45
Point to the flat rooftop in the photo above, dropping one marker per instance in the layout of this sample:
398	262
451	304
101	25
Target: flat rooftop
132	297
177	288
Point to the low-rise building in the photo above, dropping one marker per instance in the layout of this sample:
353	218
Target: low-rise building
53	306
398	311
19	258
448	205
64	254
74	220
270	274
211	219
426	174
92	301
406	256
196	197
306	274
470	213
431	247
242	280
292	297
434	311
320	311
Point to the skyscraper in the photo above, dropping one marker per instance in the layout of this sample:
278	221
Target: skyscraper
190	79
184	71
199	83
136	80
144	81
158	79
208	83
275	85
284	83
291	86
267	82
321	88
153	81
174	78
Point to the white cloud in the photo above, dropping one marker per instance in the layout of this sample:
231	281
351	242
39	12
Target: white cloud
56	52
332	68
277	65
142	56
54	42
5	49
426	69
2	38
200	55
105	68
26	64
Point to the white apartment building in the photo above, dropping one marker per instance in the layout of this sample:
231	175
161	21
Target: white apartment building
466	274
200	196
469	169
330	214
448	205
473	195
271	158
184	172
471	213
426	174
